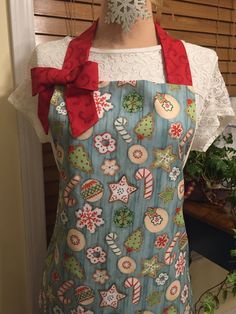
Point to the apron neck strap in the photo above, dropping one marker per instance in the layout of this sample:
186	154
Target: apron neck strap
176	64
175	57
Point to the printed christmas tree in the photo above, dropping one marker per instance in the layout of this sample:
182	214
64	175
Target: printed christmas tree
191	109
79	158
179	217
170	310
144	128
74	267
134	241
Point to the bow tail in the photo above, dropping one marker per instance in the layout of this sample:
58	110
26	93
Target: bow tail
43	107
82	113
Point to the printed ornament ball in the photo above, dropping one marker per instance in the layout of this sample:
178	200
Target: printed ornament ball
85	295
156	219
166	106
92	190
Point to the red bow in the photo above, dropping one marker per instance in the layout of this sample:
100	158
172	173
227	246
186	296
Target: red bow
79	82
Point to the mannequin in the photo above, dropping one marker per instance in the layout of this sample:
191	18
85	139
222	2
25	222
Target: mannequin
119	243
141	34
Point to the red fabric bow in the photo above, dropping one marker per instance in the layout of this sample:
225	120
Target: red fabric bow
80	78
79	82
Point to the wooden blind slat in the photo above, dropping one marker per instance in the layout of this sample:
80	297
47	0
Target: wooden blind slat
59	8
222	3
207	40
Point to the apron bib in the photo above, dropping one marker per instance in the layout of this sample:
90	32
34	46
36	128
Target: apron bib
119	244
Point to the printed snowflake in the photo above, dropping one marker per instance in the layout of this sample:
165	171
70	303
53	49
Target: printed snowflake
88	217
126	12
101	103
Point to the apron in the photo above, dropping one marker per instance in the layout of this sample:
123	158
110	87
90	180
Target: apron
120	244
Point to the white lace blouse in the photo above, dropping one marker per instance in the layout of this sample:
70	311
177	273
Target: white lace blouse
214	108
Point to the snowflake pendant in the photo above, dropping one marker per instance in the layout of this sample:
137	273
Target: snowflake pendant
126	12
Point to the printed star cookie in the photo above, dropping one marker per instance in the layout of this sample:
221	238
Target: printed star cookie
167	195
164	158
111	297
121	190
151	266
154	298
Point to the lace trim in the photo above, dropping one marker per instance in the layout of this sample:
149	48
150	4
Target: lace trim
214	110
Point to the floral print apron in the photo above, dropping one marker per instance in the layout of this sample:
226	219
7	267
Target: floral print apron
119	244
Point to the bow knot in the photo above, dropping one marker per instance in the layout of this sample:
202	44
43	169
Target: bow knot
79	83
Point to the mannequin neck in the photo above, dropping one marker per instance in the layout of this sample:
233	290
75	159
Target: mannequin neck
111	36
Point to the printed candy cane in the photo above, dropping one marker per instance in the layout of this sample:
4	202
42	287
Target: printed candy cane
110	238
168	257
148	181
184	140
70	201
66	286
135	283
120	124
186	137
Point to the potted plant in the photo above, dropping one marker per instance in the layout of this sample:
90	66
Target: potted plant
210	300
212	174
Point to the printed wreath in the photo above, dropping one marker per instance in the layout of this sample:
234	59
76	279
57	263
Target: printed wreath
104	143
133	102
123	217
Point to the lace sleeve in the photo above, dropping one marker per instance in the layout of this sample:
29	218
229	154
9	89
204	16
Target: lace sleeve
216	114
21	98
